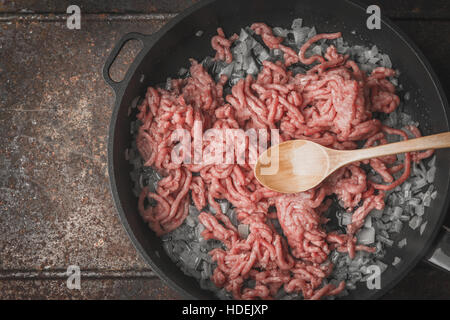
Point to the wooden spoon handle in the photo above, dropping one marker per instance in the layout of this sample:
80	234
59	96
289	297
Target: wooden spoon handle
435	141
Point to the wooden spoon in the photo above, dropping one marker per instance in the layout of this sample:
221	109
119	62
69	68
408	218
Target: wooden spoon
299	165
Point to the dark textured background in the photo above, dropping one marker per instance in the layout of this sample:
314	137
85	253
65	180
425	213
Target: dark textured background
55	205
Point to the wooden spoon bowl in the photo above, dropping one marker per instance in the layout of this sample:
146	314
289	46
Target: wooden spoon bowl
299	165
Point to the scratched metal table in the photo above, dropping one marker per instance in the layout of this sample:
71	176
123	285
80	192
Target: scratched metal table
55	205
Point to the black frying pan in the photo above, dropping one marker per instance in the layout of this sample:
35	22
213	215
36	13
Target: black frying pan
169	49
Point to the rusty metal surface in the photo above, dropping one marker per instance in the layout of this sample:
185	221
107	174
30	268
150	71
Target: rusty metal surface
416	9
117	6
55	205
121	289
104	17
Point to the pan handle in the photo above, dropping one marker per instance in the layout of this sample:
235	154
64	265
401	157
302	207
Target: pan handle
439	256
115	51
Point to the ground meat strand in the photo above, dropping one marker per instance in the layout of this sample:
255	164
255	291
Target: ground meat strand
222	46
417	156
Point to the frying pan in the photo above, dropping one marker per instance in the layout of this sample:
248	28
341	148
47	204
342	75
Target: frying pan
169	49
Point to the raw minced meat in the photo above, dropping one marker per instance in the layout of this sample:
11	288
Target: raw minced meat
332	104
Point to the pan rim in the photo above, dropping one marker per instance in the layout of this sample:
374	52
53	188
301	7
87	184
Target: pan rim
119	97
